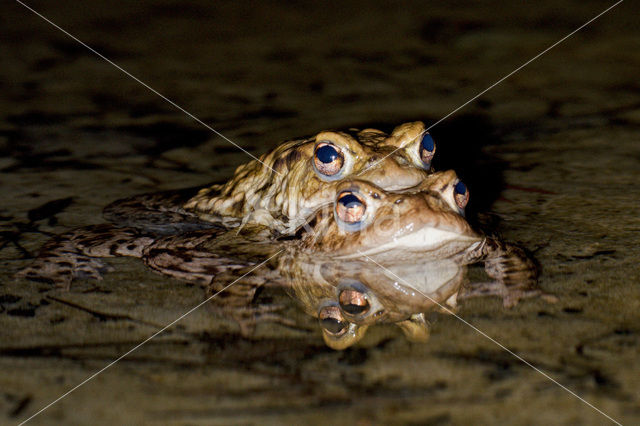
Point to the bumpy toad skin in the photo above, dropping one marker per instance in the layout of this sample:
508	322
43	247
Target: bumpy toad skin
286	186
398	224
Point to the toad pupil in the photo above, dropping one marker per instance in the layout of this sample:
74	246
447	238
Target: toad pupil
327	154
350	201
427	143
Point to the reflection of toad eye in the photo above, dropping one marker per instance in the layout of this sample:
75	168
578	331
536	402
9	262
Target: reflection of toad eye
350	208
461	194
331	320
328	159
353	302
427	149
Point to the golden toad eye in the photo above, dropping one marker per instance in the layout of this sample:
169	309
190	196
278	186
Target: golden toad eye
350	208
331	320
328	159
461	194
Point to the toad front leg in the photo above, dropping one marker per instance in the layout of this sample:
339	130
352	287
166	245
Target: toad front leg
514	273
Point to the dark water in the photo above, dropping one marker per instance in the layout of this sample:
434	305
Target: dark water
551	155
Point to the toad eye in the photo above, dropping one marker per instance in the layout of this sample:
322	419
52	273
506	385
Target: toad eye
427	149
331	320
353	302
461	194
328	159
350	208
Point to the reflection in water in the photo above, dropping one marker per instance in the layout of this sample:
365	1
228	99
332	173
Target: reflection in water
349	296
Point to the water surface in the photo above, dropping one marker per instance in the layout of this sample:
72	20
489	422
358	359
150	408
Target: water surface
552	158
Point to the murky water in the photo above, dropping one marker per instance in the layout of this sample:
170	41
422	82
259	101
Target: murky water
551	156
